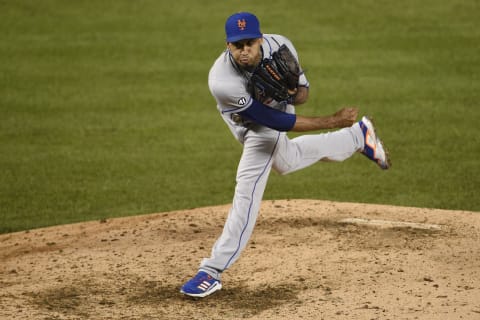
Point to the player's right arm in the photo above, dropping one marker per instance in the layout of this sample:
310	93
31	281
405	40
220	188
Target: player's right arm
344	117
229	90
282	121
243	104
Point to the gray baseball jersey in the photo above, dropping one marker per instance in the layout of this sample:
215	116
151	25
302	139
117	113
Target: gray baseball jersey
229	85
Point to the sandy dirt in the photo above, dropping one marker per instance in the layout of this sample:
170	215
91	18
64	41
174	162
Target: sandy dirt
303	262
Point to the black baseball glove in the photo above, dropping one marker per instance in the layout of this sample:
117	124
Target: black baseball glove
277	77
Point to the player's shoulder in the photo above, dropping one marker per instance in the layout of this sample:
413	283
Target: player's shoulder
275	37
226	84
271	43
222	65
222	58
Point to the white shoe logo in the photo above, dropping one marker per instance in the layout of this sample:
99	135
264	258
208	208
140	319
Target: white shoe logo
204	286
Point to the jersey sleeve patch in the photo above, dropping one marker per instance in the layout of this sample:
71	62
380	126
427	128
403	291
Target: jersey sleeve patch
230	96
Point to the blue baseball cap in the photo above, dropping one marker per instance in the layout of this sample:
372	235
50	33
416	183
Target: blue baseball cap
242	25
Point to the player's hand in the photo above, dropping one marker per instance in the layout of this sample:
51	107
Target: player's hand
346	117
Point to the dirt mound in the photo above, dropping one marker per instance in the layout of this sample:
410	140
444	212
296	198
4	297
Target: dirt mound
307	259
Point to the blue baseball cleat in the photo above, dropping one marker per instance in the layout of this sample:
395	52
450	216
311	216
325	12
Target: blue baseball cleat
374	148
201	285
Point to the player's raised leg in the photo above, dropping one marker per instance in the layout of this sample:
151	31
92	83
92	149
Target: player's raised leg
303	151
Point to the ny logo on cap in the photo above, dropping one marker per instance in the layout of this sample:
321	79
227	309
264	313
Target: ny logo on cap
241	24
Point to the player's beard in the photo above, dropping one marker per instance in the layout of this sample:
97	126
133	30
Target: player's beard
249	63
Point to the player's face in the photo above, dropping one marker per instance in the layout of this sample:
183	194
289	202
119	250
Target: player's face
246	53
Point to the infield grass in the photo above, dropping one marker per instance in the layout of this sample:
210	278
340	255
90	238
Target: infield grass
105	109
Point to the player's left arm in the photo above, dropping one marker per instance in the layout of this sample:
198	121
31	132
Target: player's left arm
301	95
302	90
280	78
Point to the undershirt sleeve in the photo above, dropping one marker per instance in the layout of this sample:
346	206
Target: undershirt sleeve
269	117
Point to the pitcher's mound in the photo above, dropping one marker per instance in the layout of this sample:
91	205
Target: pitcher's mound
307	259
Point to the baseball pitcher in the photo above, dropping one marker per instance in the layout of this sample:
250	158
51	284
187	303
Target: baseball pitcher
256	82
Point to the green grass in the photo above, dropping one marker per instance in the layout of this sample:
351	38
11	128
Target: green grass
105	109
